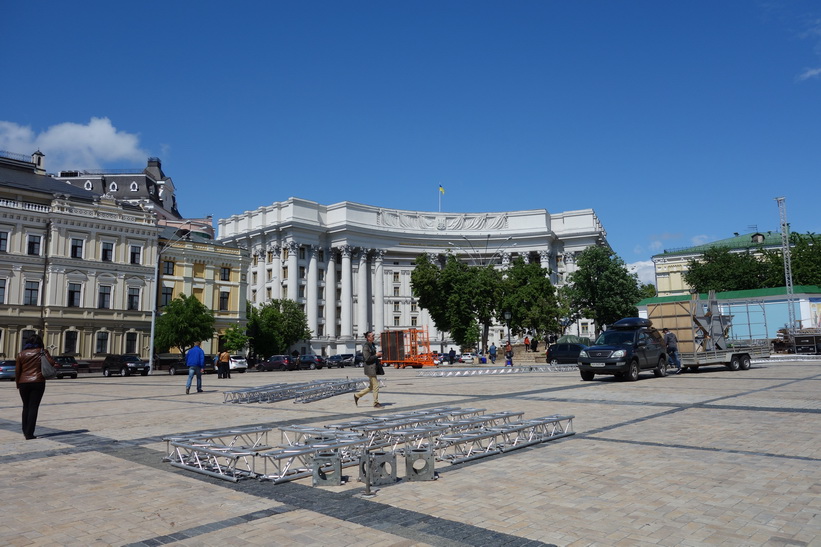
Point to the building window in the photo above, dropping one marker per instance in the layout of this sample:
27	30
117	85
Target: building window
301	291
321	275
76	248
133	299
268	293
396	291
302	253
285	253
2	291
74	293
167	267
321	256
112	187
255	260
284	273
395	320
269	274
102	342
4	242
166	296
225	274
104	297
134	187
396	306
302	272
70	341
254	278
31	294
269	256
585	329
224	300
414	307
131	342
396	277
413	321
34	245
254	295
136	251
108	252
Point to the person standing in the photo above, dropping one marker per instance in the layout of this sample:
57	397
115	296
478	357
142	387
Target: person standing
224	365
527	344
30	381
370	357
492	353
451	355
195	361
671	341
534	344
508	355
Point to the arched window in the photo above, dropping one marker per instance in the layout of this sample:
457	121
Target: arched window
112	187
87	185
134	187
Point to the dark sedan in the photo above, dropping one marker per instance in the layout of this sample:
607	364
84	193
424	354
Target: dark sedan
564	353
277	362
311	362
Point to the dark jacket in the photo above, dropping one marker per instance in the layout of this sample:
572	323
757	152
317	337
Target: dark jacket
369	357
27	367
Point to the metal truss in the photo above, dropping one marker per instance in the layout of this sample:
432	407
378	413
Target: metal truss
454	434
304	392
481	371
478	443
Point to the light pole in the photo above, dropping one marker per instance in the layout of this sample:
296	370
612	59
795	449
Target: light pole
508	315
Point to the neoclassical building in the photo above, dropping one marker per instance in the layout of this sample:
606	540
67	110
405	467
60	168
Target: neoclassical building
350	264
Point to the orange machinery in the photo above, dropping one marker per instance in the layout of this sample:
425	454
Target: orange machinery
406	348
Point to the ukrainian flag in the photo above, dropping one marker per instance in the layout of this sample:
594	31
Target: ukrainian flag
442	190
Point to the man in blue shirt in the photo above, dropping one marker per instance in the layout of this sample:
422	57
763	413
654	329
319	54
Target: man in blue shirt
195	361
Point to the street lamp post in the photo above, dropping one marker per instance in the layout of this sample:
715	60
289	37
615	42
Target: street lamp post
508	315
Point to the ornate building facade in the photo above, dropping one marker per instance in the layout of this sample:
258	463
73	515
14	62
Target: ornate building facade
350	264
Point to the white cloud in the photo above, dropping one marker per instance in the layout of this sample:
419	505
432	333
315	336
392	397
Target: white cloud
644	269
700	239
809	73
656	246
74	146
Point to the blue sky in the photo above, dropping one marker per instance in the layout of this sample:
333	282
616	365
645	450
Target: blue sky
677	122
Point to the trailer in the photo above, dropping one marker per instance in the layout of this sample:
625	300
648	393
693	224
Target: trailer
406	348
707	336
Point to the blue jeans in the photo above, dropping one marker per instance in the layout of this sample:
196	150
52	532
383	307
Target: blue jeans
672	357
191	372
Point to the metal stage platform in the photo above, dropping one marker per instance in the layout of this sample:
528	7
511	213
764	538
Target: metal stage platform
452	434
304	392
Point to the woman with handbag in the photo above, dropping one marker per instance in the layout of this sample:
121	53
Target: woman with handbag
30	381
371	365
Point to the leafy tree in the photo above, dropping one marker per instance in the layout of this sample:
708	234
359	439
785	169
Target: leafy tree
184	321
719	269
235	338
275	326
531	299
601	288
648	290
459	298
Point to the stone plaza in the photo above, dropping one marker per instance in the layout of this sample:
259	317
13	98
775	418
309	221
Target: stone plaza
708	458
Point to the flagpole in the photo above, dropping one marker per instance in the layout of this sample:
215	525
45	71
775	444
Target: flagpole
439	192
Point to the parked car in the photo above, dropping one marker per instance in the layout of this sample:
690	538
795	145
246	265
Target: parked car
557	354
66	366
467	358
310	361
124	365
7	367
238	363
277	362
179	366
629	346
335	361
359	359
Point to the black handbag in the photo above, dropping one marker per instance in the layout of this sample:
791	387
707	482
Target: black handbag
46	368
379	370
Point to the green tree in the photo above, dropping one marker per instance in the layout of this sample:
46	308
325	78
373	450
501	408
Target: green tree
531	299
235	338
275	326
648	290
184	321
719	269
601	288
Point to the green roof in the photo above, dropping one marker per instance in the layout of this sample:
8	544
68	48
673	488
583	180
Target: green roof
736	295
743	241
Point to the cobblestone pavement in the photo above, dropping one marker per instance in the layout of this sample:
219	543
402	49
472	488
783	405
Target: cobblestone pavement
709	458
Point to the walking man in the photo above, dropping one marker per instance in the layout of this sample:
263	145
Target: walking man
671	341
370	357
492	353
195	361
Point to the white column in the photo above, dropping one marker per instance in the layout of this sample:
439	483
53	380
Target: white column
330	295
379	292
346	318
276	272
362	324
293	270
312	290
